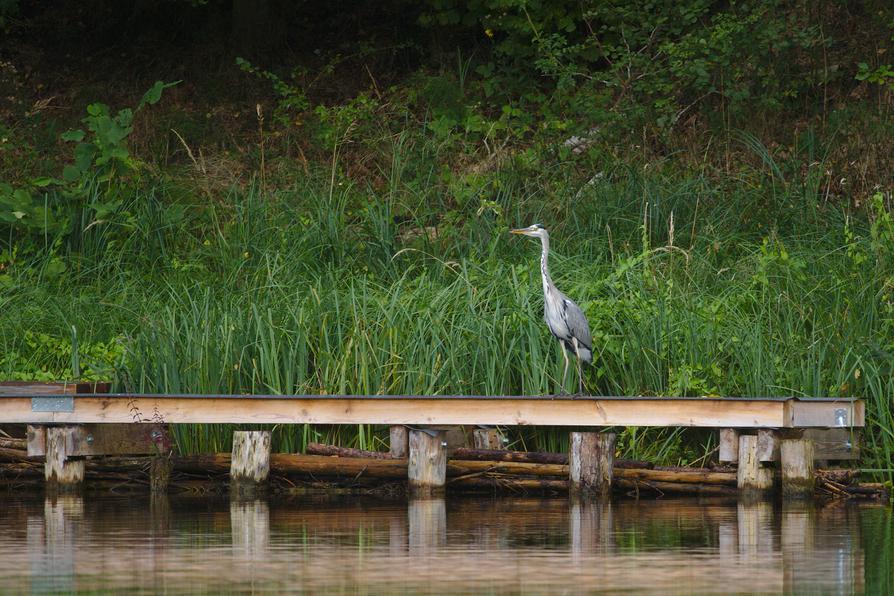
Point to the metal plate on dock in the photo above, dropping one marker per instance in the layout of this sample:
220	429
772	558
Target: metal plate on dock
52	404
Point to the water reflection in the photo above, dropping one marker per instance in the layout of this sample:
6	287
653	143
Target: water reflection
250	528
68	544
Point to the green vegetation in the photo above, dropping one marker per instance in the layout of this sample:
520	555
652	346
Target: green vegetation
718	191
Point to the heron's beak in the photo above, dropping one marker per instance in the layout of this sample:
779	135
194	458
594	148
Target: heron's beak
522	231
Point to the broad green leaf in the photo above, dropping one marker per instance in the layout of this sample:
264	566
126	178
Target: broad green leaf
21	198
124	118
153	95
98	109
73	135
55	268
70	173
84	154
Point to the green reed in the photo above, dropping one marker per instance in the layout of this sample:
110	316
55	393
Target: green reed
688	288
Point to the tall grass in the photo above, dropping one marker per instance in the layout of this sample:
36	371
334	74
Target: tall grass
691	288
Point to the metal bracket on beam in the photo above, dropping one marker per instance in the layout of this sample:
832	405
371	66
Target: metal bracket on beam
52	404
841	417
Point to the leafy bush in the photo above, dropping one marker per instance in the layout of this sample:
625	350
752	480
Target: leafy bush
91	189
659	57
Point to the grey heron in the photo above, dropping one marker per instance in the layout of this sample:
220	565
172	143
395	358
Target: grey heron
565	319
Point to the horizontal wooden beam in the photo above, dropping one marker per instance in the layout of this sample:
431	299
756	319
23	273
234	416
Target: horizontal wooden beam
105	439
437	410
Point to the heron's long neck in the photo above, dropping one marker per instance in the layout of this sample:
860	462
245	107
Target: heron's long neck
548	286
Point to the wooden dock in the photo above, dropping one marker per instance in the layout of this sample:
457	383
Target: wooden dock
764	436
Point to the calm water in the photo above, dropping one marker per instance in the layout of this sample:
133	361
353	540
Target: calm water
360	545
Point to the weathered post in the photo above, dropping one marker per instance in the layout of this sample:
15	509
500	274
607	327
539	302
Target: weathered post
767	445
752	479
159	474
591	459
399	441
729	445
427	468
250	463
487	438
796	457
62	473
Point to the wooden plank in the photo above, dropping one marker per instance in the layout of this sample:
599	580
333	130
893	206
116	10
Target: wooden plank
425	411
106	439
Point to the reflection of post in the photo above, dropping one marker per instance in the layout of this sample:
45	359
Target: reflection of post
397	534
727	539
797	537
427	519
160	515
755	528
755	525
52	569
591	524
841	549
250	527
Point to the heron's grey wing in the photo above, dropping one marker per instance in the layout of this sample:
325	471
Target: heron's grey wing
577	323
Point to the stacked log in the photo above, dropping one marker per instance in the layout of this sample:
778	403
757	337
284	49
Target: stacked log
469	469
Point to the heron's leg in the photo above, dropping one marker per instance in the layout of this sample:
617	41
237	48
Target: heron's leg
580	370
565	371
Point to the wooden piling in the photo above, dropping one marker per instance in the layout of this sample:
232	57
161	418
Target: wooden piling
729	445
591	459
250	463
62	473
399	441
487	438
427	467
768	444
798	478
159	474
752	478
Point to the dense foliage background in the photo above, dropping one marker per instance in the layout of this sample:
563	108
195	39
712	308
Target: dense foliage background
314	197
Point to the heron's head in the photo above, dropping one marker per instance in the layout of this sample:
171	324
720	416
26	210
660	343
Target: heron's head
536	230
